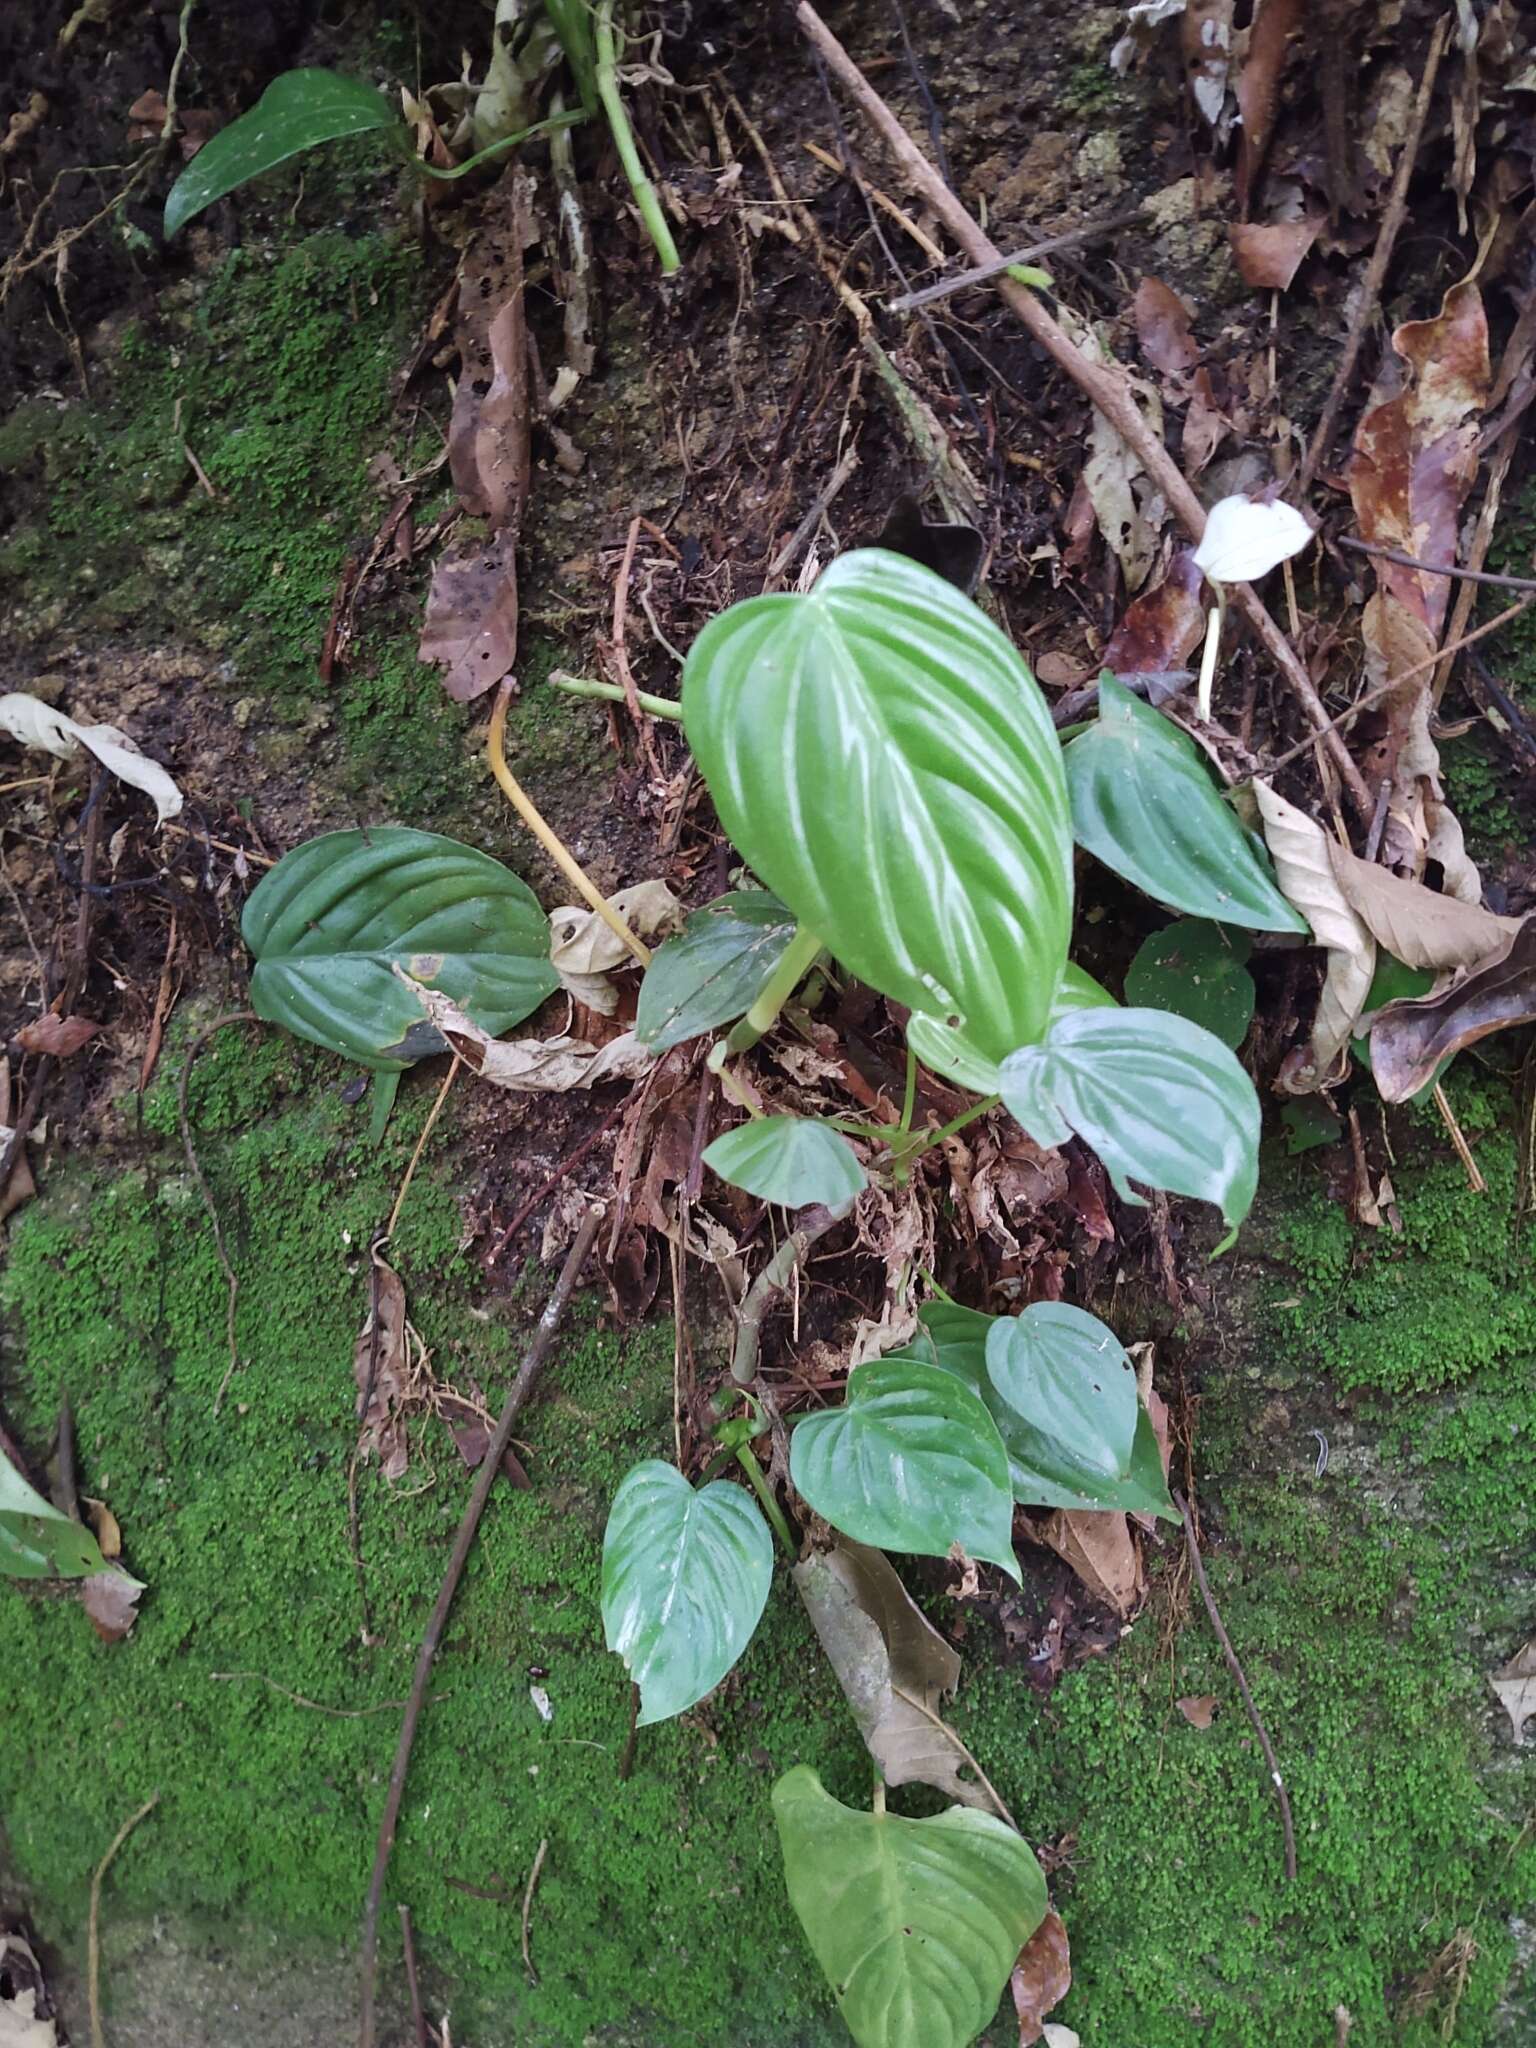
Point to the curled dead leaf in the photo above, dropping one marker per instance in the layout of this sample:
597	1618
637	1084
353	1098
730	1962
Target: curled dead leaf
381	1367
111	1599
20	1187
584	948
1099	1548
1416	924
1410	1039
1299	848
470	626
535	1065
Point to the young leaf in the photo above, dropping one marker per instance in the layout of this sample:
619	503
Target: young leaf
685	1579
1043	1470
915	1923
332	918
881	756
298	110
1143	802
36	1541
1195	969
711	972
1066	1374
788	1159
1159	1100
911	1461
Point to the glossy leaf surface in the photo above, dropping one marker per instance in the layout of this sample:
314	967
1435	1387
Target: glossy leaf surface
883	759
1066	1374
788	1159
1143	802
298	111
950	1053
711	972
685	1579
36	1541
911	1461
1196	969
334	918
915	1923
1044	1470
1159	1100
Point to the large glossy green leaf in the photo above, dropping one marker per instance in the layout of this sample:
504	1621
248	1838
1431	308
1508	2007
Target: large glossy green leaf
298	110
685	1579
949	1052
881	756
1143	801
916	1924
911	1461
331	921
1160	1100
1044	1471
1195	969
788	1159
1067	1375
711	972
36	1541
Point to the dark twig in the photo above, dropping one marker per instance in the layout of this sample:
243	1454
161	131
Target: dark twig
1198	1566
814	1223
533	1879
522	1387
983	273
93	1936
232	1284
412	1981
68	1501
567	1165
1371	547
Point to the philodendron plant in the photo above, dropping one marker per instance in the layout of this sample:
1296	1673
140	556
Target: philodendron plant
882	759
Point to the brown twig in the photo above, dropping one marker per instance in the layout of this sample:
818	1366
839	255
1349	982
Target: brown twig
162	1009
567	1165
527	1378
533	1878
1381	256
1458	1139
1105	384
620	652
983	273
232	1284
1282	1796
412	1981
1371	547
814	1223
316	1706
68	1500
421	1145
93	1938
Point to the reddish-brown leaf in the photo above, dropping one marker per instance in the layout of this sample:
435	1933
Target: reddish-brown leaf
471	620
57	1035
1410	1039
1258	87
1042	1977
380	1363
1198	1709
1100	1550
1269	253
1163	324
1161	627
488	435
111	1599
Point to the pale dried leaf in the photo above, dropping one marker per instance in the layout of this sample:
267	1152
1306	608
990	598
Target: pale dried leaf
36	724
1515	1685
1416	924
1299	848
533	1065
1055	2036
380	1366
1198	1708
21	1993
111	1600
105	1528
584	948
1100	1550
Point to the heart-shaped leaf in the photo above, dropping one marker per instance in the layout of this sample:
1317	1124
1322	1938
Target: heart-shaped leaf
685	1579
711	972
1066	1374
1195	969
788	1159
36	1541
335	917
881	756
1144	803
911	1461
1043	1470
950	1053
1159	1100
915	1923
298	110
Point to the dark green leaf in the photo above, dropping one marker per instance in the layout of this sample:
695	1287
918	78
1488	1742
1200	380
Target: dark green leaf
685	1579
911	1461
711	972
1196	969
883	759
298	110
1066	1374
788	1159
36	1541
1308	1122
1143	801
915	1923
1043	1471
333	918
1159	1100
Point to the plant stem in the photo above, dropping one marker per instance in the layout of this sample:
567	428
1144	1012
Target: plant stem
764	1492
1213	629
500	148
909	1099
813	1224
966	1116
612	693
624	138
798	958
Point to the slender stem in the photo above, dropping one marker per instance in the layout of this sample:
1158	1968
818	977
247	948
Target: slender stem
545	834
794	965
813	1224
500	148
764	1492
909	1099
624	139
612	693
966	1116
1213	626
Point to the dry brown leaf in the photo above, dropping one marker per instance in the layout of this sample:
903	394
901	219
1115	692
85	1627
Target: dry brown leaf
381	1365
1042	1977
111	1599
1410	1039
1205	423
893	1666
1258	87
584	948
1099	1549
1304	871
1417	925
1198	1708
59	1036
535	1065
489	432
1269	253
25	2007
1163	328
20	1187
104	1527
1161	627
1515	1685
470	626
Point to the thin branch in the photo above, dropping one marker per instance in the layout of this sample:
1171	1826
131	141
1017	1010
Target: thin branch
983	273
517	1399
1236	1669
232	1284
412	1981
814	1223
93	1937
1371	547
316	1706
533	1879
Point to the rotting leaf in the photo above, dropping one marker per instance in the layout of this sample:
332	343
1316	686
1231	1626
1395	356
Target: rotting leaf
893	1666
1410	1039
1100	1549
470	626
489	433
59	1036
1042	1977
1198	1709
1515	1685
1269	253
26	2011
36	724
1163	625
1299	848
584	948
381	1367
111	1599
548	1066
1417	925
1258	88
